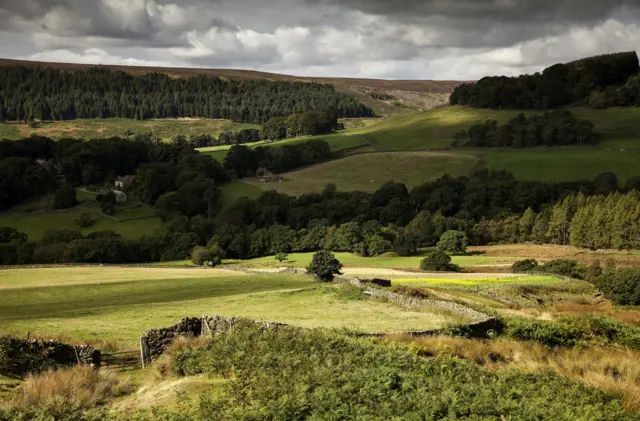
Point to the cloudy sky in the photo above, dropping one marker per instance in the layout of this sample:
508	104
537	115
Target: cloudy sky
393	39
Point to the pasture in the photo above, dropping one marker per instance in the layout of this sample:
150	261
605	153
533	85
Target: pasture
388	260
368	172
95	128
339	141
36	223
116	305
563	164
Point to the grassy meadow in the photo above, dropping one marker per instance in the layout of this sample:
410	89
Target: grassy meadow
35	224
368	172
117	305
347	139
95	128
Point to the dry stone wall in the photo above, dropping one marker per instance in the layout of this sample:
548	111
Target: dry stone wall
154	342
21	356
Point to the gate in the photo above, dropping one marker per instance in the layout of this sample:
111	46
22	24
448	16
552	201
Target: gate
124	360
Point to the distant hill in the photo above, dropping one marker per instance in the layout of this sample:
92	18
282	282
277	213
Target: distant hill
384	96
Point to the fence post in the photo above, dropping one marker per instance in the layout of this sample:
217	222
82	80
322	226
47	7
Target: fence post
145	357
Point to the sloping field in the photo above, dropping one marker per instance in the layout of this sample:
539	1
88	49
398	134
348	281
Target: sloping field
368	172
36	223
435	128
96	128
126	303
337	142
563	164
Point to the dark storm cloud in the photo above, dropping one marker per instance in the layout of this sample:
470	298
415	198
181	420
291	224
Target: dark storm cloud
386	38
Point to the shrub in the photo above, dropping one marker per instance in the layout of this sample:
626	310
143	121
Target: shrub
108	203
84	220
324	266
282	257
547	333
524	266
622	286
454	242
203	256
438	261
562	267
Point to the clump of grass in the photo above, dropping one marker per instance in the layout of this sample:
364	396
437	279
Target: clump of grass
79	387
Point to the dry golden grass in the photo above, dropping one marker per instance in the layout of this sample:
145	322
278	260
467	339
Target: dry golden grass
615	371
77	387
568	309
549	252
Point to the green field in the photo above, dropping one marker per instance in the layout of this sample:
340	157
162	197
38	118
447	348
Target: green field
338	141
564	165
34	224
389	260
98	306
95	128
368	172
435	128
235	190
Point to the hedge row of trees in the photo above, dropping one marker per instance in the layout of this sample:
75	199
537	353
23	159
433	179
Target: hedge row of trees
243	161
225	138
28	93
311	123
549	129
559	85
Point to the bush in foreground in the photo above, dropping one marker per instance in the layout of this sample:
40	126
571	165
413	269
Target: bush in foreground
292	374
325	266
78	387
438	261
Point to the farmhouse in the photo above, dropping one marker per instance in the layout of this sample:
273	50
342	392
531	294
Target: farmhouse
124	182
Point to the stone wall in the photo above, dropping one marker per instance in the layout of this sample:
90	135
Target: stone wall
155	341
21	356
417	302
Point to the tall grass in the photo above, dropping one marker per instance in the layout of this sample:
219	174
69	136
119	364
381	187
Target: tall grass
79	387
611	370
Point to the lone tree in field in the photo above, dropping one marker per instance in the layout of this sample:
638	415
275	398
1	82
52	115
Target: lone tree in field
454	242
210	257
325	266
282	257
438	261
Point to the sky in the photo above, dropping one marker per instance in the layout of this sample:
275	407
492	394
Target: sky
389	39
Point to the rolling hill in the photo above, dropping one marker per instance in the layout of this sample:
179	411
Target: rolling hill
618	151
401	96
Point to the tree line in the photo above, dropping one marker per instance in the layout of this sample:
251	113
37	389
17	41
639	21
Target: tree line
556	86
28	93
311	123
240	137
559	127
243	161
